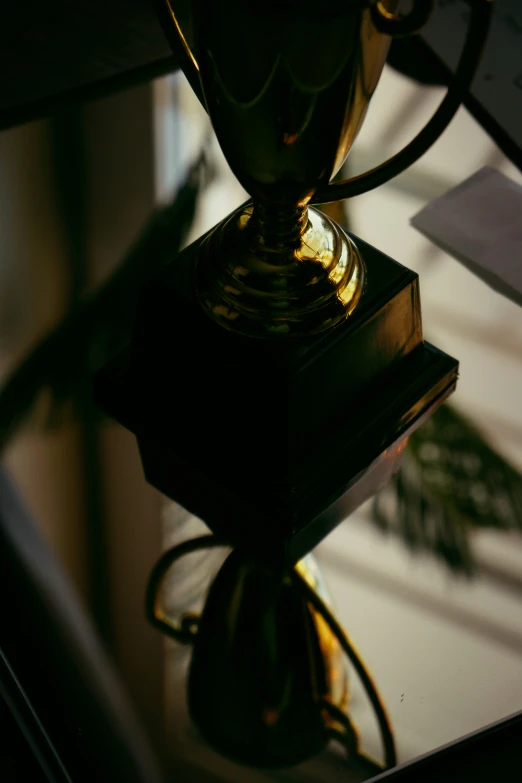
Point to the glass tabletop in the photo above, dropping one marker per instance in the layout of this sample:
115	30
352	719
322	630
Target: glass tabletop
444	646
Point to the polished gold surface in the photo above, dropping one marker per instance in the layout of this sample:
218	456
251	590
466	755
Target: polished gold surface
332	652
287	86
283	273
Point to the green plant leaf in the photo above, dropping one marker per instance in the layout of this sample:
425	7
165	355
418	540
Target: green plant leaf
450	483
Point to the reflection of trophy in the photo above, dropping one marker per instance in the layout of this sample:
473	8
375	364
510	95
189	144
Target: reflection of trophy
274	428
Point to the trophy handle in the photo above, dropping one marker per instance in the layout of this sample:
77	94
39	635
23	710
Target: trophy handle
392	24
186	631
457	90
178	43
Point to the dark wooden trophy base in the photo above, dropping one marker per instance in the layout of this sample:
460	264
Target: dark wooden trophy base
273	443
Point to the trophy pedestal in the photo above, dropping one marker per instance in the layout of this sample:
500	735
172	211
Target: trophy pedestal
274	442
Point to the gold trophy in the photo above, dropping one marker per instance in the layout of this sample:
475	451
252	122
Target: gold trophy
277	360
278	364
287	86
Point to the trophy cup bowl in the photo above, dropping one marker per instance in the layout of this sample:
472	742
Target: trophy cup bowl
285	120
287	86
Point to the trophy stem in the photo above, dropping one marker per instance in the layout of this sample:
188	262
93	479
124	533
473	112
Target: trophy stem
278	228
271	270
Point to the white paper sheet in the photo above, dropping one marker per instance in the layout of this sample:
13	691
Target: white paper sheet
479	222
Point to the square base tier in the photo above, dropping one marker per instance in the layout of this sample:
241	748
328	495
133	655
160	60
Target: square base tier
273	443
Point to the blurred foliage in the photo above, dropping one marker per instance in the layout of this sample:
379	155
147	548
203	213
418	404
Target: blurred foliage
50	382
450	483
